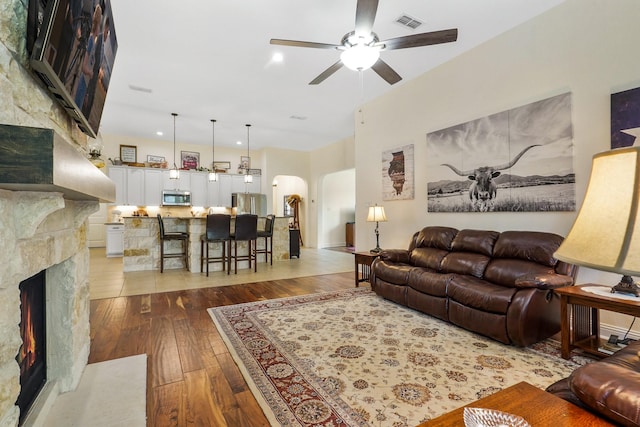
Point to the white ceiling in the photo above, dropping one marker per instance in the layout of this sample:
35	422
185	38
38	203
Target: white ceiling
211	59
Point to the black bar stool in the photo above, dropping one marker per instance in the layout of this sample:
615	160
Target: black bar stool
267	234
218	231
246	229
182	237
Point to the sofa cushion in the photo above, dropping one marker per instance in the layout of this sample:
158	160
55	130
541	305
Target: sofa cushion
480	241
506	272
397	274
532	246
480	294
429	282
465	263
436	237
612	385
428	257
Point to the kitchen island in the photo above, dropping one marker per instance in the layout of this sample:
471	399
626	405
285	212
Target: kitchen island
142	243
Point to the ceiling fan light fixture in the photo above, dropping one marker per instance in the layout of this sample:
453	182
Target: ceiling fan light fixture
360	57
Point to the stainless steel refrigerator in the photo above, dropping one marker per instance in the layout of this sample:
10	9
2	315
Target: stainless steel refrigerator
249	203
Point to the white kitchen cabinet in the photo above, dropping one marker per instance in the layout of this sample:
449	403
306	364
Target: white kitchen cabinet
135	186
153	186
115	240
198	186
118	175
183	183
224	189
213	193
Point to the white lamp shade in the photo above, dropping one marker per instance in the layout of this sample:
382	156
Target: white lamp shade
213	176
248	179
360	57
376	214
603	235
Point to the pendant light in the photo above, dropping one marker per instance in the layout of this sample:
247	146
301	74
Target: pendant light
213	176
174	173
248	178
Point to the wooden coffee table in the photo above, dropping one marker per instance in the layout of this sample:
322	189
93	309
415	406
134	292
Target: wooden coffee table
536	406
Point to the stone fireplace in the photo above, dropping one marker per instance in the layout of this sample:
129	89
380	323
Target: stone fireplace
43	231
47	192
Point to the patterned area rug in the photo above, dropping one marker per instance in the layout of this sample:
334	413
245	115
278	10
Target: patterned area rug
352	358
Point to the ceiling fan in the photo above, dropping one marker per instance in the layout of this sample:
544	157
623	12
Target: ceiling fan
361	47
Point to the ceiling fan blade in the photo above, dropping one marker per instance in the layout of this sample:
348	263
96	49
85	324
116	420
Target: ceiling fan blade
386	72
298	43
365	15
326	73
423	39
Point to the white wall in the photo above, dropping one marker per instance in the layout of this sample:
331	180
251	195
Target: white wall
586	47
338	191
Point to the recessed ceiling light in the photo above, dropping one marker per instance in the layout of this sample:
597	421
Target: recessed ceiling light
159	133
239	142
277	57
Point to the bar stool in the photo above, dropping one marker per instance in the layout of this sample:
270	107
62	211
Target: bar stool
267	234
218	231
182	237
246	229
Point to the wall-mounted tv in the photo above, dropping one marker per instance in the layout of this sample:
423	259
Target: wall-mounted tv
73	55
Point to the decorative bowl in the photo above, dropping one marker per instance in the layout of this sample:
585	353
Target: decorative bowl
480	417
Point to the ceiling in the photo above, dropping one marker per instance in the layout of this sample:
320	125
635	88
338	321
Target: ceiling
211	59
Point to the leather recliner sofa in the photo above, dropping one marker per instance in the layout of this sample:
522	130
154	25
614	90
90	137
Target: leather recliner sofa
496	284
609	387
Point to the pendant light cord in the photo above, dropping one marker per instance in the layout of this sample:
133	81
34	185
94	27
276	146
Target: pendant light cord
174	139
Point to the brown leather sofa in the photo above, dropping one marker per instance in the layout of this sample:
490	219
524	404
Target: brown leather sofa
609	387
496	284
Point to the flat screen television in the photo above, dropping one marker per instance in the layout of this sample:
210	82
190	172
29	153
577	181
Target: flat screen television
73	54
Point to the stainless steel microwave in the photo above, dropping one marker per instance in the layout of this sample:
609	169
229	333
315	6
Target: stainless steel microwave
176	198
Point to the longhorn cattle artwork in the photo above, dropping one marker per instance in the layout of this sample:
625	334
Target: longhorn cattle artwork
520	160
483	189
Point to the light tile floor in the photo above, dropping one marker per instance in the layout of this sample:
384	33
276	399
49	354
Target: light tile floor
107	280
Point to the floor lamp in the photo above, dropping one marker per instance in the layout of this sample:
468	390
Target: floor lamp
604	235
376	214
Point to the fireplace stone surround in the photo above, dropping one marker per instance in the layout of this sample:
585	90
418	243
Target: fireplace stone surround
44	231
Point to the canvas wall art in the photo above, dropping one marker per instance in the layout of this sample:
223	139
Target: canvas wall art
519	160
625	118
397	174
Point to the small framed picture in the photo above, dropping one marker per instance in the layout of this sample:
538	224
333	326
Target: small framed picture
245	162
221	166
255	171
155	159
190	159
128	153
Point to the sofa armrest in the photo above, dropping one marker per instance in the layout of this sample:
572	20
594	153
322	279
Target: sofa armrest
610	389
544	281
396	255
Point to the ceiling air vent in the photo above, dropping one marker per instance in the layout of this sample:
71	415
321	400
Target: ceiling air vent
408	21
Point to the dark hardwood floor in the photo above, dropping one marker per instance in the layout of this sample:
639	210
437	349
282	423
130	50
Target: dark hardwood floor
191	377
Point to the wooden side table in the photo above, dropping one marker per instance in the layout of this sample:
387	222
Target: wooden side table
536	406
581	320
364	261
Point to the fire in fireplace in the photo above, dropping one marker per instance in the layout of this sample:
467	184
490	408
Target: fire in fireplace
31	356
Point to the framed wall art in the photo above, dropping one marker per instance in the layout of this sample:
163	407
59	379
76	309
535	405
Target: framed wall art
625	118
155	159
397	174
245	162
128	153
190	159
221	166
519	160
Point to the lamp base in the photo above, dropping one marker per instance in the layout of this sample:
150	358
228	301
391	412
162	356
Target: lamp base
375	250
627	286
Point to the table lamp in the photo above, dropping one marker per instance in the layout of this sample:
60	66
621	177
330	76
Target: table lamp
605	234
376	214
